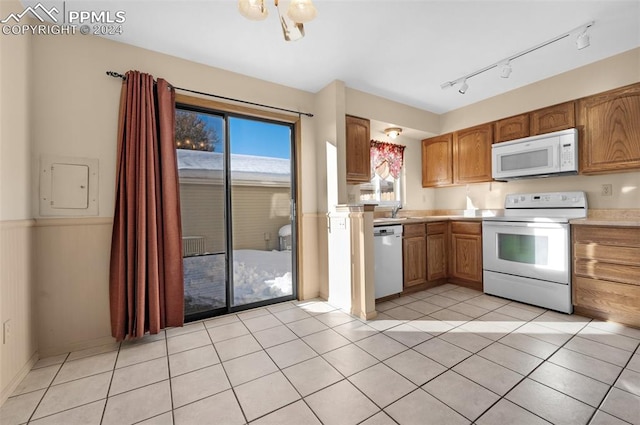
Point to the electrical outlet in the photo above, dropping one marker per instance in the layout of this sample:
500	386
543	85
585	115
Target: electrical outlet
267	236
607	189
6	331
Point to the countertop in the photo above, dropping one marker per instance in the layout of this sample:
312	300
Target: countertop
596	217
605	222
610	217
387	221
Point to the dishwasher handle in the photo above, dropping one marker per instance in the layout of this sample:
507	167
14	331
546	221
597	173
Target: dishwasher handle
387	231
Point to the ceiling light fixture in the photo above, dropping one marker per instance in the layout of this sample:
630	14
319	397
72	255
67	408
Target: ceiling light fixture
581	42
298	12
393	132
301	11
253	9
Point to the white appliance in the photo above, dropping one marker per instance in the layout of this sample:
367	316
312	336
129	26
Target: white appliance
388	260
527	250
544	155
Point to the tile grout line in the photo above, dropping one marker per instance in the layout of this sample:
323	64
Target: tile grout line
168	358
612	386
377	331
106	401
233	390
524	377
46	390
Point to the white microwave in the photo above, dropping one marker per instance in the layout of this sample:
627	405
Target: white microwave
544	155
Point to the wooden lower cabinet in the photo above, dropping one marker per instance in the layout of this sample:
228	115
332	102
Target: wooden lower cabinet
466	254
606	273
414	254
436	251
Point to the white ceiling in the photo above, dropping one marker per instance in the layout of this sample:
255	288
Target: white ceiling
398	49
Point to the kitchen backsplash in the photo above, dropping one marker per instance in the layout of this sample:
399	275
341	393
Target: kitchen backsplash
625	192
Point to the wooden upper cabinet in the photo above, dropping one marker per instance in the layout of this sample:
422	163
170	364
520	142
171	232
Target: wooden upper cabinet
472	154
437	161
553	118
511	128
358	150
609	125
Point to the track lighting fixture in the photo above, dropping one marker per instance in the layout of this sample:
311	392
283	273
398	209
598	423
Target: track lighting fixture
581	42
463	88
393	132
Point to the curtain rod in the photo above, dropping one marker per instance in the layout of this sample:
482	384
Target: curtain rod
307	114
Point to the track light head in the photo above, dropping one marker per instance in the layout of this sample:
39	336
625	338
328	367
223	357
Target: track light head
505	71
463	88
583	39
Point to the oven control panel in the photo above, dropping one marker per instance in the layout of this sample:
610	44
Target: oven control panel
576	199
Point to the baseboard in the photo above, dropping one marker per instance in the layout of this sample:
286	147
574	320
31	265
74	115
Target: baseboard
6	392
76	346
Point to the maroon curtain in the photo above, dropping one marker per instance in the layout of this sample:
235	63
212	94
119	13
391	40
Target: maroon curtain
146	277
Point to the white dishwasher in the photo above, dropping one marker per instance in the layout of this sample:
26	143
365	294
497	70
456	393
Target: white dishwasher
388	256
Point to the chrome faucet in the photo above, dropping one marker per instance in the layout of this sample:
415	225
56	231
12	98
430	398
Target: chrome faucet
394	210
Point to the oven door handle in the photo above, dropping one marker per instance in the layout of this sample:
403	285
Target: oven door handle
529	224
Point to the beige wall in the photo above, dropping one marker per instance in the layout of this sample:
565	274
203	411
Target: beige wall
607	74
73	284
393	113
75	111
17	296
76	107
16	229
15	134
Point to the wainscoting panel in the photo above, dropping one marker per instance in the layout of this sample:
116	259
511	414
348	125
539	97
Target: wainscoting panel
17	294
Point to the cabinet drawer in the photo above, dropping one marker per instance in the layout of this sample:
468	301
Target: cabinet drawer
466	227
607	253
607	271
436	228
411	230
619	236
618	301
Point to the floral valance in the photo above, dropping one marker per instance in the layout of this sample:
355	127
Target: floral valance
386	159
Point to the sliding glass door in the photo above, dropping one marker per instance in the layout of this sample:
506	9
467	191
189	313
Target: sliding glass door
237	192
261	194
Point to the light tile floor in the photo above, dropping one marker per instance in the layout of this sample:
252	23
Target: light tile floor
447	355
